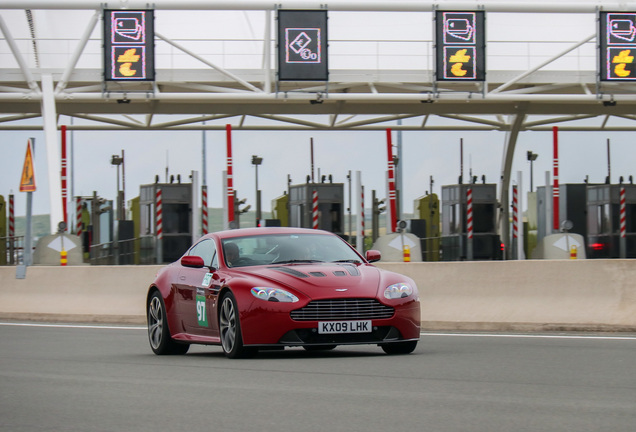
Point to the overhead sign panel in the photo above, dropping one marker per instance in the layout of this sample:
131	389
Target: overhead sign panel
460	46
129	51
617	37
302	45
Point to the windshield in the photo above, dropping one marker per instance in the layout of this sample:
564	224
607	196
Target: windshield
287	248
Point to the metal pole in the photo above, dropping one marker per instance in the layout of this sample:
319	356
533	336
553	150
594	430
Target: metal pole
28	236
609	164
623	224
350	206
469	224
555	188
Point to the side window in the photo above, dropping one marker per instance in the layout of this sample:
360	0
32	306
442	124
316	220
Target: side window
206	250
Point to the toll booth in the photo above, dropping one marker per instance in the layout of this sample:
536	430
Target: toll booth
425	225
176	199
330	206
280	211
486	241
572	206
603	221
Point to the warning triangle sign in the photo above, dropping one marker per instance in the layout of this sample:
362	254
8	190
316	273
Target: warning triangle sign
27	181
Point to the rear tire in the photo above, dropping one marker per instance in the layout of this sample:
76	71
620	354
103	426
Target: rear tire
158	331
230	329
399	347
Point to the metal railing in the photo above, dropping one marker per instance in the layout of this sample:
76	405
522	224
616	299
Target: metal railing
120	252
12	250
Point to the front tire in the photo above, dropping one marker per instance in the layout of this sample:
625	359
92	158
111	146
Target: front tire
406	347
158	332
230	329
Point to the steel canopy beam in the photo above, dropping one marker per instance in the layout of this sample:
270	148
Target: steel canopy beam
581	6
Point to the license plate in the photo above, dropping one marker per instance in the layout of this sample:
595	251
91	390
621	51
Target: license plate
332	327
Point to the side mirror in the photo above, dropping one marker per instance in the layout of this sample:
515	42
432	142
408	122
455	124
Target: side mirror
192	261
373	255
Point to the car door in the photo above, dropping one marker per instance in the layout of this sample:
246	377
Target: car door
197	290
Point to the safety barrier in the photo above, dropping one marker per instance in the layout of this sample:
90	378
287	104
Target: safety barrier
590	295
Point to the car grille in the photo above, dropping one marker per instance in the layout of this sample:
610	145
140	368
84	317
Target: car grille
342	309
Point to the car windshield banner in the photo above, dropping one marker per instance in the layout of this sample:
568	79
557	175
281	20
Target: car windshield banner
302	45
617	44
460	46
129	45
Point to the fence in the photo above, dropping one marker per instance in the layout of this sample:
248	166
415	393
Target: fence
12	250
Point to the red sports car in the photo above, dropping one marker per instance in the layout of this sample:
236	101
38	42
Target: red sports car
270	288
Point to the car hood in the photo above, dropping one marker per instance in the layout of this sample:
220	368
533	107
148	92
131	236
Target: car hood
312	279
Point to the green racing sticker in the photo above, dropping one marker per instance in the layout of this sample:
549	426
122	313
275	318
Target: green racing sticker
202	316
206	280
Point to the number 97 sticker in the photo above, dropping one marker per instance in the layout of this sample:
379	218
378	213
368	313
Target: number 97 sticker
202	316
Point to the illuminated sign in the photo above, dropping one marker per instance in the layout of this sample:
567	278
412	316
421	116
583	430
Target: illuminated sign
617	36
302	45
460	46
129	45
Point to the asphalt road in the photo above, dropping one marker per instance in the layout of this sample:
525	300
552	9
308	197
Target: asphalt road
107	379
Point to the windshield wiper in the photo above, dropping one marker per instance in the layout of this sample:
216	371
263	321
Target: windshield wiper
352	261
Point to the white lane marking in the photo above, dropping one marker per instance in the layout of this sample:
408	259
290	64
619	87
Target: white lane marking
78	326
538	336
493	335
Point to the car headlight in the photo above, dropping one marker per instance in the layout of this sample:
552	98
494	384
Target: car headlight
274	295
398	290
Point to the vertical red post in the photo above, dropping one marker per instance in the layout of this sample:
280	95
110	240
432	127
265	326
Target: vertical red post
230	182
391	168
623	219
159	213
314	214
64	186
515	213
555	188
469	213
78	216
204	210
11	217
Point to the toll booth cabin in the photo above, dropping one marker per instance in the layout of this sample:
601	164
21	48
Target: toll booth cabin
486	241
426	226
603	221
572	199
330	206
176	221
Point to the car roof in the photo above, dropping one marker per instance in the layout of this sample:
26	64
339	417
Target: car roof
244	232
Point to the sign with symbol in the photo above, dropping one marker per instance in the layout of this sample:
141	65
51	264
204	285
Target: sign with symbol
460	46
27	181
617	37
129	45
302	45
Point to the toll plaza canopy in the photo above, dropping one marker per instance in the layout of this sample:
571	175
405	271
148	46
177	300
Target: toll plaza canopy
344	65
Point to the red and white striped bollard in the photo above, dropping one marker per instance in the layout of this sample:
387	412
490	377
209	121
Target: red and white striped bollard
314	213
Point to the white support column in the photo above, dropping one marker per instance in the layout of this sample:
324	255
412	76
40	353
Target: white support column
52	143
196	211
548	204
360	224
506	168
520	234
226	223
